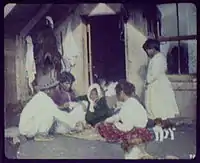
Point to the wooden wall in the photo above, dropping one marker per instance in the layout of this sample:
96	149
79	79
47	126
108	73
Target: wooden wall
15	84
10	87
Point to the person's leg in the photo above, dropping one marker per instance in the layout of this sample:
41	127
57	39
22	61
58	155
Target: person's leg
44	126
109	132
61	128
150	123
156	135
138	136
161	134
171	133
77	116
134	153
166	133
136	142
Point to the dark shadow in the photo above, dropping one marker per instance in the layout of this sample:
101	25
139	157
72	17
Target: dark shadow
142	72
177	58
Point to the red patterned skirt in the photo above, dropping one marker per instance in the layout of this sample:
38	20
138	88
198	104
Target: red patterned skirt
112	134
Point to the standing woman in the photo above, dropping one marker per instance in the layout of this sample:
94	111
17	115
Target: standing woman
129	125
159	96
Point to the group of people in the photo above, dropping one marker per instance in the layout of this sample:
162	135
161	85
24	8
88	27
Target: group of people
56	106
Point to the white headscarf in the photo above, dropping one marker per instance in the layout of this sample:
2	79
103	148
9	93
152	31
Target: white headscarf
99	92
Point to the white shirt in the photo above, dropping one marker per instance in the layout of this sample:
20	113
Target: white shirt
40	107
132	114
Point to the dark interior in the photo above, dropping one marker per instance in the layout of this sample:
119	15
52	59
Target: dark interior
108	50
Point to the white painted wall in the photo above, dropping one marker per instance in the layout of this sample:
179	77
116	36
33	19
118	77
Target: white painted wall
78	70
136	56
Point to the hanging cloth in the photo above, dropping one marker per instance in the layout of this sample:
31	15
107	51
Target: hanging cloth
30	63
66	65
71	49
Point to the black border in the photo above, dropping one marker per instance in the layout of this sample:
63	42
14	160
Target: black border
146	2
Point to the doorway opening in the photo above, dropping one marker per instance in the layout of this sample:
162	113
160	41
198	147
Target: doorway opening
106	48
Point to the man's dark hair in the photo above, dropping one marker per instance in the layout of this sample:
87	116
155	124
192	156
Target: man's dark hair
151	44
66	77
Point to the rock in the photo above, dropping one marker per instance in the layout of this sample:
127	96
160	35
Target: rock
11	132
16	140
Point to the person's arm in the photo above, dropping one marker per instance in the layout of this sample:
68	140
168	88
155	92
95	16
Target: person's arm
82	98
102	109
62	116
125	118
73	95
125	125
61	106
112	119
159	66
138	118
58	100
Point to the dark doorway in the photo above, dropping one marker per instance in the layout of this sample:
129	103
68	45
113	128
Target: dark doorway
107	47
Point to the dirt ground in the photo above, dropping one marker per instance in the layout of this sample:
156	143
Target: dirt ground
65	147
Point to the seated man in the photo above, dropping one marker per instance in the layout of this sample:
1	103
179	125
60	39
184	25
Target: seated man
97	109
40	113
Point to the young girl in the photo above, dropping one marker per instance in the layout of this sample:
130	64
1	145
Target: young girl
159	99
97	109
129	125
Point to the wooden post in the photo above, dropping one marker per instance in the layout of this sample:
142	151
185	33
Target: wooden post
21	81
9	71
85	55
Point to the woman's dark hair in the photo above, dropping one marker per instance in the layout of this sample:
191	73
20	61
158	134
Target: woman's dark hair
66	77
151	44
125	86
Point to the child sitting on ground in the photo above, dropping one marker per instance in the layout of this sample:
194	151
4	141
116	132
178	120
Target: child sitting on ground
97	109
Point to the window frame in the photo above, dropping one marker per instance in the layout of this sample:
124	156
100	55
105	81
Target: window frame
157	33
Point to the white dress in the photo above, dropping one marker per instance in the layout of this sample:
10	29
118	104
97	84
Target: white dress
160	99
